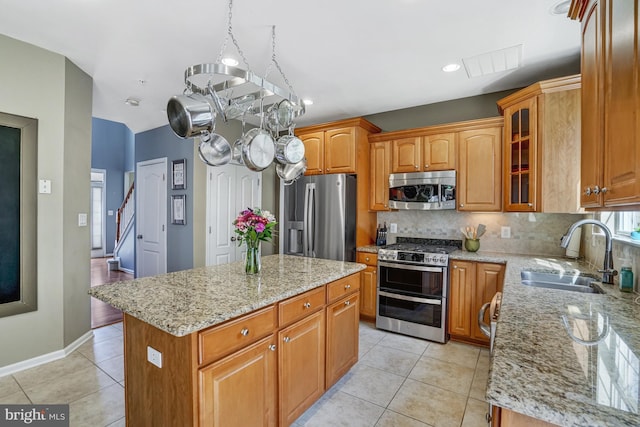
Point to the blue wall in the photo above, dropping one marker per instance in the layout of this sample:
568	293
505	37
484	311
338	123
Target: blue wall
158	143
111	144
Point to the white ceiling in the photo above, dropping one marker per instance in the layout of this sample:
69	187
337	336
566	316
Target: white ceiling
352	57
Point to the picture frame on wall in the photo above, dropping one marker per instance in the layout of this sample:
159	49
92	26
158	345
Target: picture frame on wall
179	174
179	209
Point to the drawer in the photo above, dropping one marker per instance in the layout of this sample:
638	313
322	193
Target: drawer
367	258
235	334
300	306
342	287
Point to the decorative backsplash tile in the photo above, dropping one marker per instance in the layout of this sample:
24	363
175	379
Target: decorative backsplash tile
531	233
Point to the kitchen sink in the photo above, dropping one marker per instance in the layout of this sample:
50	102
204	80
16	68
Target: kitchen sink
559	281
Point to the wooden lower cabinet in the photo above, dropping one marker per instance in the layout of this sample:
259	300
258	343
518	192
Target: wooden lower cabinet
472	284
241	390
368	285
507	418
342	338
302	366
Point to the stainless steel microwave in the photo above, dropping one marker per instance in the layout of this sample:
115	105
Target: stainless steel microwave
423	190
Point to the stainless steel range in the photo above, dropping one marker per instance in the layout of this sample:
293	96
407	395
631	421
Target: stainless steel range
413	287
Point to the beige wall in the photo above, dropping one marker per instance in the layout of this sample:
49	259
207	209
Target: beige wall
33	83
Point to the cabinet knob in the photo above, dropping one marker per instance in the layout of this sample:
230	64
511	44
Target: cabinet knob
587	191
244	332
347	303
366	258
455	267
328	169
462	205
417	166
307	305
596	190
349	286
604	190
385	205
530	205
286	339
233	239
426	166
272	347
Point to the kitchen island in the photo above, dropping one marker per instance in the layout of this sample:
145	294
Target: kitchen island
214	346
539	370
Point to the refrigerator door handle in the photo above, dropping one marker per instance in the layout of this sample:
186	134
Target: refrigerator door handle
307	236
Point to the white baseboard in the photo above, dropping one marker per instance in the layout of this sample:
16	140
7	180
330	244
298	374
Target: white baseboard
45	358
126	270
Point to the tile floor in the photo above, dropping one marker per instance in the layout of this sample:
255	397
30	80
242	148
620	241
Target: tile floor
398	382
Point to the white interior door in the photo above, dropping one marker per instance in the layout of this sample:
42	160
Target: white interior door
151	217
230	189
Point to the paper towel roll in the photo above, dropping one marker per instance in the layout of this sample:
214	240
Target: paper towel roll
573	249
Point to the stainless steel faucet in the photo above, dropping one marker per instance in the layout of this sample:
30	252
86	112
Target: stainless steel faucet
607	271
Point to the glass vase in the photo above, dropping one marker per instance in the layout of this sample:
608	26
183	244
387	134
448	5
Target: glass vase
253	264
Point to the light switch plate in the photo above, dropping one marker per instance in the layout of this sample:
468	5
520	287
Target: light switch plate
505	232
393	227
44	186
154	356
82	220
110	212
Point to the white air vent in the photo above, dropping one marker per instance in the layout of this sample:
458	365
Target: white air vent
493	62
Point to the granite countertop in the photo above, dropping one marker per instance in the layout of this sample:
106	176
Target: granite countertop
537	369
187	301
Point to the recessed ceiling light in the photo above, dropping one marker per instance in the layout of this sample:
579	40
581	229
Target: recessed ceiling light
450	68
560	8
230	61
133	102
307	101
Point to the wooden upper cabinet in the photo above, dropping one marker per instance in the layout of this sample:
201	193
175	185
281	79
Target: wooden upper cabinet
406	155
439	152
340	150
542	147
380	168
314	152
610	165
480	170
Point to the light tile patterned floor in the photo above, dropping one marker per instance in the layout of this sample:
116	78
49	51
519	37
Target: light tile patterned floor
398	382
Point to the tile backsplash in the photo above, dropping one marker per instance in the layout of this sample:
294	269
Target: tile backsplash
531	233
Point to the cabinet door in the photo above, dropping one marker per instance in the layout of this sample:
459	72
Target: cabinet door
380	153
314	152
621	104
592	121
480	170
439	152
520	156
240	390
340	150
489	280
406	156
301	363
368	293
342	338
462	283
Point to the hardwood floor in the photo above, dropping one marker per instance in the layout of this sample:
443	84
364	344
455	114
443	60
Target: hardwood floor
102	313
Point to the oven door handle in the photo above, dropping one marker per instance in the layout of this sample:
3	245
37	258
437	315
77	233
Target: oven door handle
412	299
411	267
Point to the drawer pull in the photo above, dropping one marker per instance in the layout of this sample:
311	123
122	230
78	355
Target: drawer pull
272	347
307	305
286	339
366	259
244	332
347	303
347	286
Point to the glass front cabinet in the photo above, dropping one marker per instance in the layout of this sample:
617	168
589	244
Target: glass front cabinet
520	156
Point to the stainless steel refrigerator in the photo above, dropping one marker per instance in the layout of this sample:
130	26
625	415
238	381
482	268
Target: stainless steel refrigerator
319	217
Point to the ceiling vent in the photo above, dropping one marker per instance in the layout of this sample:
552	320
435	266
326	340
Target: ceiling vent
493	62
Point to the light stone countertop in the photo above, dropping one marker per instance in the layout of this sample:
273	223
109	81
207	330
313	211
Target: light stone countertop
191	300
537	369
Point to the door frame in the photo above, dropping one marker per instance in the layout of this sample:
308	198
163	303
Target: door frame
162	205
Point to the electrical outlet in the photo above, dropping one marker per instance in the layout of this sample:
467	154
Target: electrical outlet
393	227
154	356
44	186
505	232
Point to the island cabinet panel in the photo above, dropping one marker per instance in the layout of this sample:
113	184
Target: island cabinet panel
489	280
224	339
342	287
342	338
368	284
301	366
241	390
164	396
508	418
300	306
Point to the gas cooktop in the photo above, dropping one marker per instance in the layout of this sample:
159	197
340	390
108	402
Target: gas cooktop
419	251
